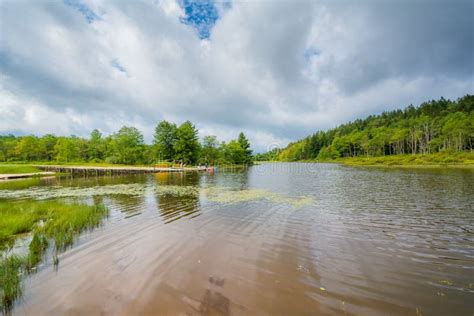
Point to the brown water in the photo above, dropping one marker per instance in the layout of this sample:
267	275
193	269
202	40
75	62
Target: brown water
280	239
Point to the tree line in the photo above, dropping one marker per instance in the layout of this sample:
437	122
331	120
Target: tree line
171	143
434	126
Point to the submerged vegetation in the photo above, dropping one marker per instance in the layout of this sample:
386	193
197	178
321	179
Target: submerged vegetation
442	126
214	194
44	222
41	193
223	195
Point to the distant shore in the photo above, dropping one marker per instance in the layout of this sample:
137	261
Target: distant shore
464	160
435	160
15	170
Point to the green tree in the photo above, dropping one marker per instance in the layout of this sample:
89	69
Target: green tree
126	146
46	144
245	144
187	145
7	147
96	146
234	153
164	139
28	148
327	153
342	145
209	150
456	130
66	150
398	139
432	126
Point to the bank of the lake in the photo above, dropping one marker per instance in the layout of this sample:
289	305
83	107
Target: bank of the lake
38	169
463	160
18	168
13	171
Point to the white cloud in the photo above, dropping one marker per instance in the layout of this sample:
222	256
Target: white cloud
275	70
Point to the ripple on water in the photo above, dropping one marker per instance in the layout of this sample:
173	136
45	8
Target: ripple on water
362	241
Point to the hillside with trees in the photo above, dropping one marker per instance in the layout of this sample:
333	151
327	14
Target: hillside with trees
435	126
171	143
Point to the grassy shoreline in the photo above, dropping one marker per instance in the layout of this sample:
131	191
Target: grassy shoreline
461	160
18	168
434	160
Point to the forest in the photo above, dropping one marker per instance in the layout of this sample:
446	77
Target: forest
171	143
435	126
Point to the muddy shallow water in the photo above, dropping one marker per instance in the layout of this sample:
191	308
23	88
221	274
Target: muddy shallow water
277	239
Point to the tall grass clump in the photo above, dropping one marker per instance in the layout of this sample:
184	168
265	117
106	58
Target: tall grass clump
46	221
10	281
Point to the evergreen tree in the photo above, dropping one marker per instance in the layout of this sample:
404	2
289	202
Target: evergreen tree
244	143
433	126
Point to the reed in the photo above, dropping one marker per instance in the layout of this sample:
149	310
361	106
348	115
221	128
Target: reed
47	221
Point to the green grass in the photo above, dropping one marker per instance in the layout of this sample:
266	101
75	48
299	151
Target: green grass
440	159
47	221
10	282
19	184
11	169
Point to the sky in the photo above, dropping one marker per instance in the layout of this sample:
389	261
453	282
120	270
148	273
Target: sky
276	70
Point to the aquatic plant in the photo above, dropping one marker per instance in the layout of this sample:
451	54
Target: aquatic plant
229	196
47	221
43	193
177	190
10	281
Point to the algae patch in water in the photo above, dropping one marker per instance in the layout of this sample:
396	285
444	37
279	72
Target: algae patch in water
223	195
42	193
215	194
177	190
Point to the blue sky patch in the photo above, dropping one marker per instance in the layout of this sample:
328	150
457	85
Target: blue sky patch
115	63
200	14
311	52
87	12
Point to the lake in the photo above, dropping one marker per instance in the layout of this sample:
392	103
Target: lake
275	239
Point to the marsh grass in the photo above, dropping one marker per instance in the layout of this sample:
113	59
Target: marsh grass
440	159
19	184
48	221
10	281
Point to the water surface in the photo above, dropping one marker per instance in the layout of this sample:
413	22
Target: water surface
277	239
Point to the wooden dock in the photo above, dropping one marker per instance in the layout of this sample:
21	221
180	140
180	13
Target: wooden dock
25	175
102	171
